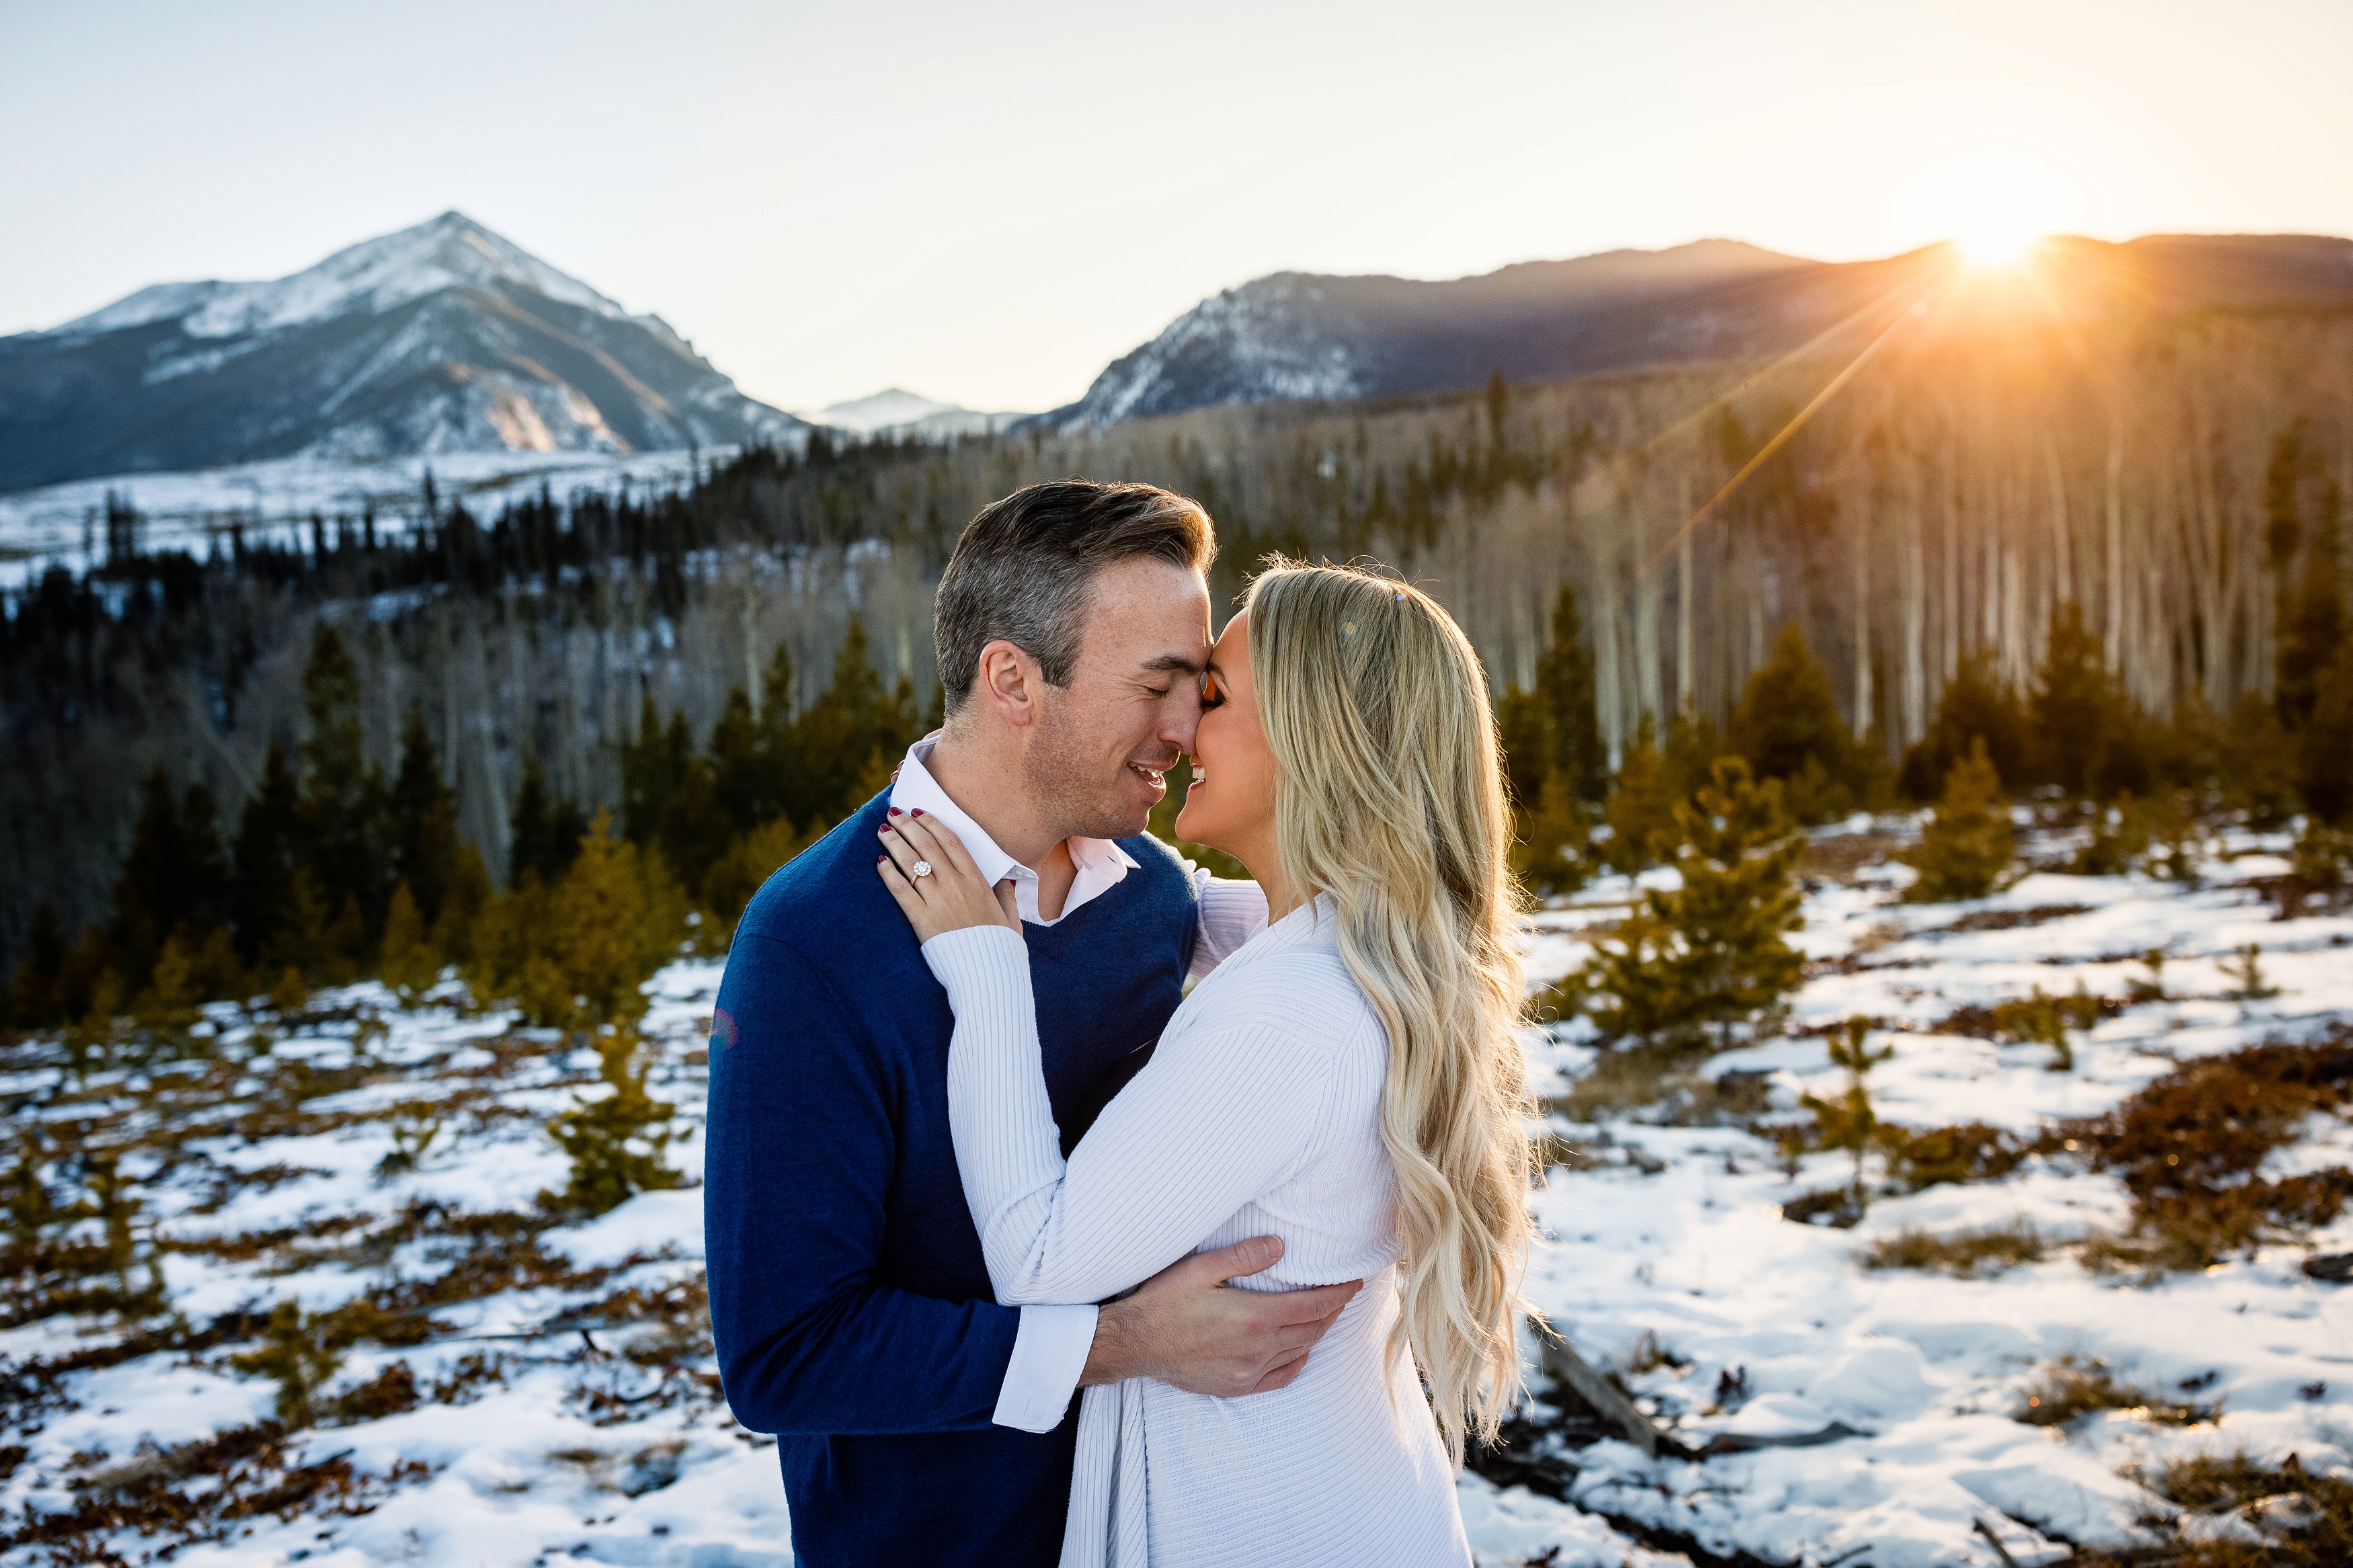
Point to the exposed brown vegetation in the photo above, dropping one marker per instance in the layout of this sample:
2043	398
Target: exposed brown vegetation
2187	1147
2070	1389
2298	1519
1965	1254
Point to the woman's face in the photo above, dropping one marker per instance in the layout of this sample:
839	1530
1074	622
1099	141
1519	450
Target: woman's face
1231	802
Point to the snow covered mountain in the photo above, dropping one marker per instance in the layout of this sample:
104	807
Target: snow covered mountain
902	412
1298	335
440	338
1304	335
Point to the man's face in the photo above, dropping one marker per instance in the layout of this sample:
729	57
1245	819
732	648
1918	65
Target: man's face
1103	742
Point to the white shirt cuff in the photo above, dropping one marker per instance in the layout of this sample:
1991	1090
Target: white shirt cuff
1050	1351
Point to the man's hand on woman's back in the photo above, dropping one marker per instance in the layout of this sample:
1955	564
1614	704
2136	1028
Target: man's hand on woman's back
1187	1328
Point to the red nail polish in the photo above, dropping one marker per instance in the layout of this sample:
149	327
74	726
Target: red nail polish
919	811
894	811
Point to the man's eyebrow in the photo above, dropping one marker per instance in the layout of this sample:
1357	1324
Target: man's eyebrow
1173	663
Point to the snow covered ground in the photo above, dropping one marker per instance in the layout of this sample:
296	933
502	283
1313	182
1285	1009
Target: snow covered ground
65	524
567	1407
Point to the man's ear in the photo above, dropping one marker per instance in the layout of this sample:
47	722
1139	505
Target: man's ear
1010	682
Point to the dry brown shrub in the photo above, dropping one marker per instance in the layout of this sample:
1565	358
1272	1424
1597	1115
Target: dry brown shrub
2187	1148
1963	1254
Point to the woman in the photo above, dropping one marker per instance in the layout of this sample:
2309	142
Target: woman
1348	1081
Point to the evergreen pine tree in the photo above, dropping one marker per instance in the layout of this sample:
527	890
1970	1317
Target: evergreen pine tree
2325	744
741	776
651	767
1850	1122
572	953
695	829
2259	763
2085	735
750	860
425	841
409	965
1975	707
1548	853
2311	632
33	992
543	833
266	855
1564	694
615	1142
1526	741
1967	846
1714	952
845	734
1642	811
1789	728
174	878
345	807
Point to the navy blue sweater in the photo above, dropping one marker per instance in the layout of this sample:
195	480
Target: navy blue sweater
848	1295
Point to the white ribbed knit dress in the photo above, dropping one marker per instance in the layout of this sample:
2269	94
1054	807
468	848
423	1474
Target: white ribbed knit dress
1257	1115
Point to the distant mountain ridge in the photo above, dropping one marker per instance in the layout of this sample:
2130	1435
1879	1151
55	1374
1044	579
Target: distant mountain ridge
440	338
897	411
1306	335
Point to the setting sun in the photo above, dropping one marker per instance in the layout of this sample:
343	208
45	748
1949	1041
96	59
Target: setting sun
1997	205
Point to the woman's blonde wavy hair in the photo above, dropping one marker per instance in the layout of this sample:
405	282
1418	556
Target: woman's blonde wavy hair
1390	797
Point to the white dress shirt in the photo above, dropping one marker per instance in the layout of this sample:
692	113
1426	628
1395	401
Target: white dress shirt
1049	1349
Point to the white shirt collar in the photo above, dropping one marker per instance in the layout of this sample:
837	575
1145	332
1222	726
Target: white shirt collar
1102	864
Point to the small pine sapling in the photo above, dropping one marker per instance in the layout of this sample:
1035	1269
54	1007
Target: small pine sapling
1641	807
2248	971
1850	1121
1714	952
410	965
1966	847
2039	1019
2322	869
299	1353
288	994
615	1140
115	1202
1549	851
2119	840
2174	838
414	1127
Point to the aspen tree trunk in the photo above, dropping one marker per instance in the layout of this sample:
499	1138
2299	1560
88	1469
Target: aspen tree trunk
2114	637
2015	659
1956	562
748	613
1648	588
1686	665
1915	718
2062	549
1860	549
1607	644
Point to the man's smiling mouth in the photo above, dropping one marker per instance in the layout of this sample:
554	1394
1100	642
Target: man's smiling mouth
1157	778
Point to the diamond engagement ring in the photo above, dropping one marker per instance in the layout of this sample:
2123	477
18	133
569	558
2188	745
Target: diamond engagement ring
922	868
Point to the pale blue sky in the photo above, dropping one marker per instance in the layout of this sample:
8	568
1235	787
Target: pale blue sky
988	203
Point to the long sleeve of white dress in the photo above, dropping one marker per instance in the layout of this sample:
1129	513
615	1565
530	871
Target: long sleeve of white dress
1209	1125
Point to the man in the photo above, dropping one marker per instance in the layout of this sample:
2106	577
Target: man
918	1421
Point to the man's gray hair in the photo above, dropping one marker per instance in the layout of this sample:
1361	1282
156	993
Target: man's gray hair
1023	565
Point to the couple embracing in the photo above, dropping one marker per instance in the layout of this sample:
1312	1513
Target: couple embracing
1027	1253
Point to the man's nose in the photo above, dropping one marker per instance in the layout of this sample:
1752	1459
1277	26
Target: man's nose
1181	720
